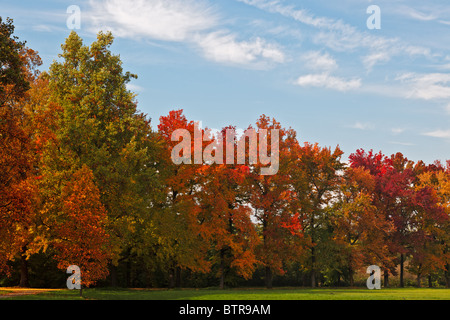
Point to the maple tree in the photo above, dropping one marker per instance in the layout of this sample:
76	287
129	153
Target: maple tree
79	235
270	199
226	216
358	227
179	231
315	177
432	222
18	192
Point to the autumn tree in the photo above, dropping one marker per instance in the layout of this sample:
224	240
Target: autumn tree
79	235
179	230
226	216
393	197
432	222
18	192
270	196
98	125
358	228
315	177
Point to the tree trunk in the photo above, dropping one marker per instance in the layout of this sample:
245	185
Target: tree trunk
402	260
128	273
178	277
447	275
313	271
351	278
269	277
113	273
430	281
222	269
24	283
419	276
171	278
386	279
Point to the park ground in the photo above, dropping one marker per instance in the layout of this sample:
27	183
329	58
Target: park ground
229	294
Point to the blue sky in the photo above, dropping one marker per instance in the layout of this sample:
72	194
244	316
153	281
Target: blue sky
314	65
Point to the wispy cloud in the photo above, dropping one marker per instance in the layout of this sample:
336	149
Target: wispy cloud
319	61
193	22
134	87
173	20
443	134
430	86
325	80
340	36
372	59
418	15
223	47
397	130
361	126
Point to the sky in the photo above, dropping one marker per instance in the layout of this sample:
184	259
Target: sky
319	67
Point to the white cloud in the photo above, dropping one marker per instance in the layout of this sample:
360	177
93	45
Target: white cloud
374	58
418	15
444	134
428	86
340	36
43	28
316	60
134	87
361	126
169	20
223	47
397	130
325	80
195	22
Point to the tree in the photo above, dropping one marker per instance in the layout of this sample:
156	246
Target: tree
79	231
181	236
358	228
315	178
18	193
432	222
225	213
14	80
98	125
270	197
392	197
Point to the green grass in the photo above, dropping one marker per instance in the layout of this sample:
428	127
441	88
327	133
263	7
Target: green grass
246	294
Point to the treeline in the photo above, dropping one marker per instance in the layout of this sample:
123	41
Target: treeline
85	180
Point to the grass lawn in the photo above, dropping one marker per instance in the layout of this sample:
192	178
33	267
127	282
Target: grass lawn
237	294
